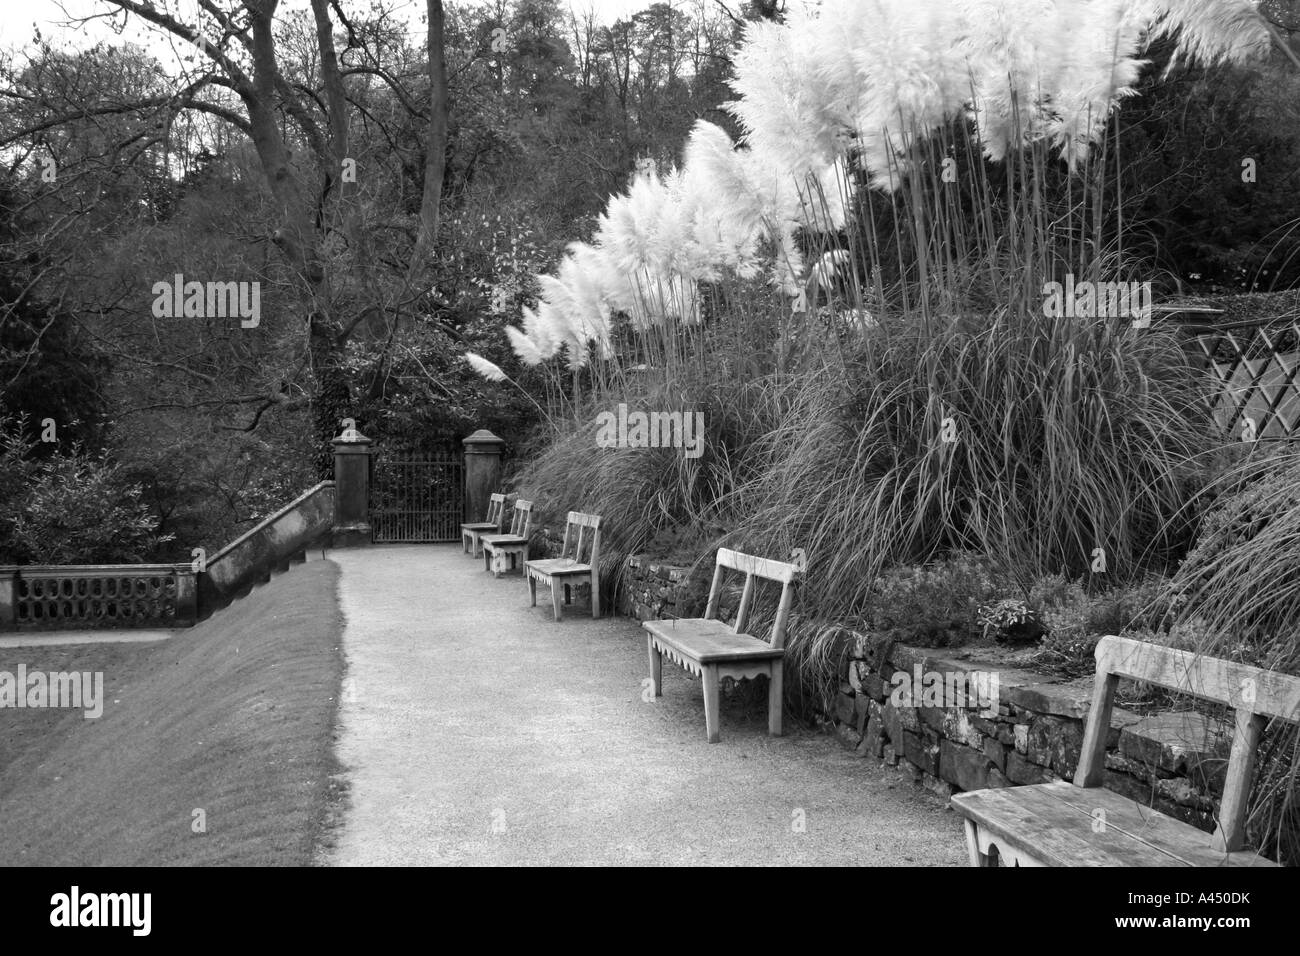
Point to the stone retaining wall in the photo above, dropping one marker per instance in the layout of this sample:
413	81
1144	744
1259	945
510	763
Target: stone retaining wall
651	590
1033	732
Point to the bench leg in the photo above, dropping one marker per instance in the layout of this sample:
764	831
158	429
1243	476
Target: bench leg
503	562
595	598
775	698
656	666
487	560
711	703
973	845
555	597
532	590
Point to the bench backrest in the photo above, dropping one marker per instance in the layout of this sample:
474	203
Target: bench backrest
1254	693
496	512
752	567
582	536
521	518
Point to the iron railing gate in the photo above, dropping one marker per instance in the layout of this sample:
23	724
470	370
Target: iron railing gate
416	500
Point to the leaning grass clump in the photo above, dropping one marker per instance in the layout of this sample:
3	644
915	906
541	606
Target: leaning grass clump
642	493
1242	579
635	491
1066	438
1236	596
1038	440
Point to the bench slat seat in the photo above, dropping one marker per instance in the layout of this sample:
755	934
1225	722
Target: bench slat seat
578	563
559	566
712	650
1084	824
512	545
705	641
1059	822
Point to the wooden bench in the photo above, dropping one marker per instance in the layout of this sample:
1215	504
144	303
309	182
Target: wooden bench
710	649
568	570
511	546
496	518
1059	824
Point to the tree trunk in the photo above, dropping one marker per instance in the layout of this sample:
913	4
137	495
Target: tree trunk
435	162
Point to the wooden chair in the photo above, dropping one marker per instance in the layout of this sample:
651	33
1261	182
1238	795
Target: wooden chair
496	519
568	570
512	545
1084	824
709	648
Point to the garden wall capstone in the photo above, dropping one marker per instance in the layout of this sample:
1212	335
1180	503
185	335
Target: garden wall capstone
274	543
1032	733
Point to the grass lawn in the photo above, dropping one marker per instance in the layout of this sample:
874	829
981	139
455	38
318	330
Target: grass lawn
234	717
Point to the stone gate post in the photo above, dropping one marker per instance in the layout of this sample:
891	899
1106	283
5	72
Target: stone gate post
351	489
482	472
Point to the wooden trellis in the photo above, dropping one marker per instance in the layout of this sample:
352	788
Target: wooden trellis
1255	365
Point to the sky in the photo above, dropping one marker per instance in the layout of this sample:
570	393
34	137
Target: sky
18	16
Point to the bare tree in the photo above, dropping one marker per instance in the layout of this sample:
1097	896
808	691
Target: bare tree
316	195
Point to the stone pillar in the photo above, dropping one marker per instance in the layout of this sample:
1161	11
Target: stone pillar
187	595
351	490
482	472
9	598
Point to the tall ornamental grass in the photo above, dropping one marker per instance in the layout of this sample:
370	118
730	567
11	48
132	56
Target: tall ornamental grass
1062	445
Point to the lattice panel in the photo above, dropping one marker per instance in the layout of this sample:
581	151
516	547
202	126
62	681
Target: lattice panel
96	600
1257	370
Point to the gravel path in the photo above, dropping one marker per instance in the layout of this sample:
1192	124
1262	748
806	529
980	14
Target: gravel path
477	731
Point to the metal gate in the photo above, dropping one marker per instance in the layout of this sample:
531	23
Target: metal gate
417	500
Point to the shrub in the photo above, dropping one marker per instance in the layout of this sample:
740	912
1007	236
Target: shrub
71	508
1076	619
1009	619
935	604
